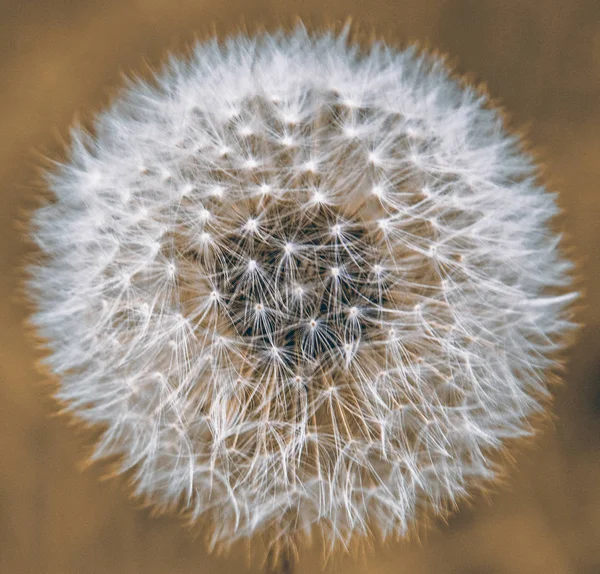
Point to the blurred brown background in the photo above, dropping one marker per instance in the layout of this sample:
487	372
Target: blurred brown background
59	58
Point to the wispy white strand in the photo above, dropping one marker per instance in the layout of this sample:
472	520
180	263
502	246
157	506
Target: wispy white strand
300	284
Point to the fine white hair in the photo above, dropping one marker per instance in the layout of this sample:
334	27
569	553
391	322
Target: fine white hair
298	282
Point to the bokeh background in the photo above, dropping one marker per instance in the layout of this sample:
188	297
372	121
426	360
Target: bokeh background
61	60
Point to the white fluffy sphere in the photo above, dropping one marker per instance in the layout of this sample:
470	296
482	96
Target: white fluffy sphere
301	283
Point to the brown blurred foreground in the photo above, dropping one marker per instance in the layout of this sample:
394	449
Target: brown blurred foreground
60	58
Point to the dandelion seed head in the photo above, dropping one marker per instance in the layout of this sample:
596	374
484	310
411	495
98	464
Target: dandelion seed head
301	284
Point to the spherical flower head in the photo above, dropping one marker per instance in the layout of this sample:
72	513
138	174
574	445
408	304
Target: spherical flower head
300	284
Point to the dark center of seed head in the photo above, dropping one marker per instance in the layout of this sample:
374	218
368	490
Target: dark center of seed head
298	288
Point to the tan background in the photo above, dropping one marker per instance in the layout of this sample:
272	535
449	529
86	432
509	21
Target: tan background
541	58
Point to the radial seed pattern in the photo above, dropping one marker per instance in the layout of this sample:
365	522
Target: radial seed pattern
300	283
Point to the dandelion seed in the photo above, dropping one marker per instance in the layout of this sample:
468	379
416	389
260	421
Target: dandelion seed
251	225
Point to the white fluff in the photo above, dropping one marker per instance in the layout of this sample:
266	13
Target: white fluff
301	284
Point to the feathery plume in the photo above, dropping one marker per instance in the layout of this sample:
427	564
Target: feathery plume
299	283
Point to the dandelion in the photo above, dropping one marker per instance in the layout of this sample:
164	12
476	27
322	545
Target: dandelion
301	284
